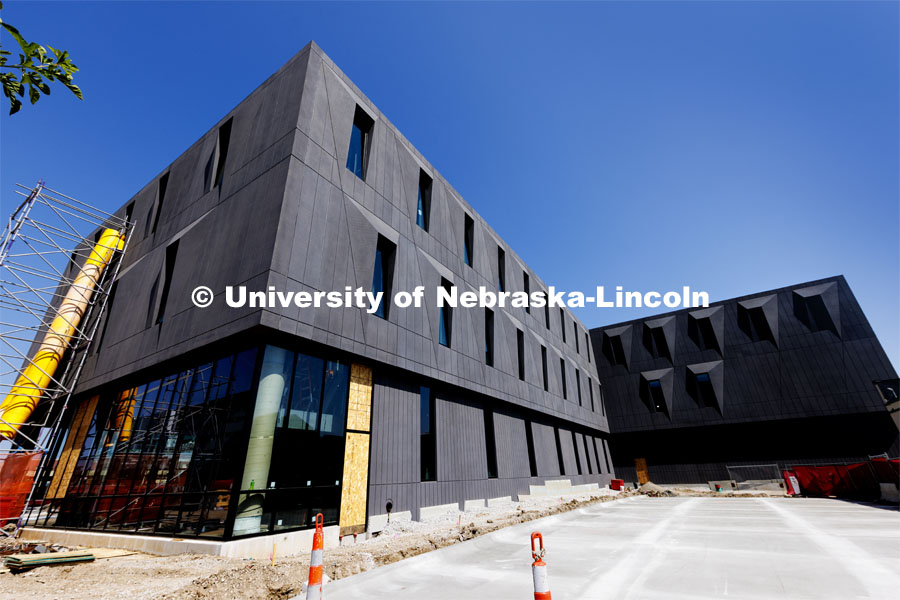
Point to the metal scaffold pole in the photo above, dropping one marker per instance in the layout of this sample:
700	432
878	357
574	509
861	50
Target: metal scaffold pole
58	261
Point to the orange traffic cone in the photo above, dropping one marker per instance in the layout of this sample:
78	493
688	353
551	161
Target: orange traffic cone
539	569
314	585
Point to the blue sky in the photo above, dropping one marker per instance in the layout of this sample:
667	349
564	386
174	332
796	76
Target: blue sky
734	147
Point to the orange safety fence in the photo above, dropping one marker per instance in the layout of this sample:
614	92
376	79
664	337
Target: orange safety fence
16	478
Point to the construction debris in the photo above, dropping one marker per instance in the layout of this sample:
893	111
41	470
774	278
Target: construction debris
20	562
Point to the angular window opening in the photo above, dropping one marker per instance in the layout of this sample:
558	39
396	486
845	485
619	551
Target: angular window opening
587	346
701	332
575	334
605	455
224	139
753	322
423	209
520	346
488	337
654	339
215	166
591	393
701	388
812	312
490	443
614	350
360	142
501	269
597	456
383	274
562	324
129	211
575	451
578	385
587	454
602	403
559	454
547	314
526	287
151	306
544	368
171	254
109	305
427	435
156	209
446	315
562	377
657	398
529	440
469	241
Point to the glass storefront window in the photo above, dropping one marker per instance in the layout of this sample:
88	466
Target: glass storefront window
165	457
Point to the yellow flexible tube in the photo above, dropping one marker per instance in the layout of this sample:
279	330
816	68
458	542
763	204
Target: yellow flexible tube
31	385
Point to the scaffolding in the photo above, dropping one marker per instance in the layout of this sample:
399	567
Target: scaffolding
44	249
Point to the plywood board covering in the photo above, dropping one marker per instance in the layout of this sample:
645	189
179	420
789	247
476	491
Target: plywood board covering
68	458
356	452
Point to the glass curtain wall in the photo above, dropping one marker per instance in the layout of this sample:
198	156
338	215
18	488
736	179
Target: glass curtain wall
166	457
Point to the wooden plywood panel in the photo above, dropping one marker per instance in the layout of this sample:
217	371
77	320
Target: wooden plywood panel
359	407
355	484
640	465
355	481
68	458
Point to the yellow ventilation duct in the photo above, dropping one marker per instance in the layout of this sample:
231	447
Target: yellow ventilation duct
31	385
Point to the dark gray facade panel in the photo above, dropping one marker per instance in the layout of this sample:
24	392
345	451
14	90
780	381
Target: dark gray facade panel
815	360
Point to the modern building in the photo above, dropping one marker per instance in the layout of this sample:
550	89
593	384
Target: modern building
224	422
785	377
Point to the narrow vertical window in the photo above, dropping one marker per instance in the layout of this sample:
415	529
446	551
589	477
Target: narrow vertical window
578	385
605	455
156	209
562	324
597	456
224	139
446	314
129	211
171	254
427	445
488	337
587	346
469	241
526	287
151	307
520	346
544	368
562	377
559	454
501	269
575	334
360	142
591	394
109	305
529	440
423	209
575	450
490	443
383	274
547	315
587	455
602	404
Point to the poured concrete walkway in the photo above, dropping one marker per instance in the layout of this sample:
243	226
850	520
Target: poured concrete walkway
672	548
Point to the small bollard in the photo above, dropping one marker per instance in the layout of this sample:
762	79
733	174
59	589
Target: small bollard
539	569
